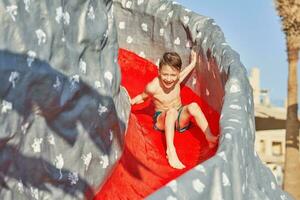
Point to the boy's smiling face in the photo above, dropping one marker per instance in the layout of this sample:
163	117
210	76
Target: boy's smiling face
169	76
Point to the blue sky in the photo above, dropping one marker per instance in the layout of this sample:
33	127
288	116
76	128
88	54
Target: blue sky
253	29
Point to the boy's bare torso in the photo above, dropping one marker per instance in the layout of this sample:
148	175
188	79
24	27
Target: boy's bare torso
164	100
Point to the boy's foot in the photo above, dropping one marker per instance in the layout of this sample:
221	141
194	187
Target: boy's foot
174	160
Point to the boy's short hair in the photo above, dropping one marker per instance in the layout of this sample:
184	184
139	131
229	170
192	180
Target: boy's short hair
172	59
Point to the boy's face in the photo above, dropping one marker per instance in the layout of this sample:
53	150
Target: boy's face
168	76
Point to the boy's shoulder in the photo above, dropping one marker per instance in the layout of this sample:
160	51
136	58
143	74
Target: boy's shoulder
153	85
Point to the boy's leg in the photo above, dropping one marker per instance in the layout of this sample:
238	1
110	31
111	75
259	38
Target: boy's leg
160	121
195	111
170	120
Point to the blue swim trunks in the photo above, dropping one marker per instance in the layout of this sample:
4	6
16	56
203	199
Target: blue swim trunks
157	113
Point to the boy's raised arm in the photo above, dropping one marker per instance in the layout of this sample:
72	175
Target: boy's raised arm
183	74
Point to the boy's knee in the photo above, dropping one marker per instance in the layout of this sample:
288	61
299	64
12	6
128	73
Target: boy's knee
172	112
192	107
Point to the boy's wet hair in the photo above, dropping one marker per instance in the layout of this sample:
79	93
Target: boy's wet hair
172	59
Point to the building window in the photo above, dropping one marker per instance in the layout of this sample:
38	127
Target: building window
277	148
262	146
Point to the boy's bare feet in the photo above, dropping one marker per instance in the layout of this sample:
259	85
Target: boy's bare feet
173	159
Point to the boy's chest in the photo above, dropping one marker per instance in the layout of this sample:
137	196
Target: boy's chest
168	97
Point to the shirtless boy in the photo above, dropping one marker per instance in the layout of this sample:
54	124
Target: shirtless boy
169	111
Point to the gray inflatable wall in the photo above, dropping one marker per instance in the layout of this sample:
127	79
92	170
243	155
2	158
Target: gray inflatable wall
60	89
62	113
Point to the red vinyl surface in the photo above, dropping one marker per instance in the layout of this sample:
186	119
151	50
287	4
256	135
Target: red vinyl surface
143	167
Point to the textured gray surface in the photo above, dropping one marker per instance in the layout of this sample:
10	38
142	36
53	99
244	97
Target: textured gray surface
59	89
62	114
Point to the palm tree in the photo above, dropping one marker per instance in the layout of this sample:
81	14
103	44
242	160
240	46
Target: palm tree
289	12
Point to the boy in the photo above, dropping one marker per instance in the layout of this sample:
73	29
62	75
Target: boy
169	111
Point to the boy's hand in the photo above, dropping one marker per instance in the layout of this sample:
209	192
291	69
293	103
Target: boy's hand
193	57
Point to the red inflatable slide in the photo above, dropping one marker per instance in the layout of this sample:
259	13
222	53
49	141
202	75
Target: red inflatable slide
143	167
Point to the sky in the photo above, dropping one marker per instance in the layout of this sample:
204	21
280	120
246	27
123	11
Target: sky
253	29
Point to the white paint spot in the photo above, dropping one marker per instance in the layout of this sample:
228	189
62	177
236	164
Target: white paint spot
20	186
205	40
235	120
228	136
139	2
161	32
6	106
200	168
144	27
31	55
162	7
142	54
27	4
104	161
74	81
59	163
108	75
62	16
235	107
255	154
73	178
186	20
102	109
273	186
170	197
36	145
199	35
229	128
51	139
225	180
82	66
121	25
91	13
129	39
12	11
13	77
235	88
34	193
223	156
198	185
170	14
97	84
177	41
86	160
173	185
243	188
128	4
57	83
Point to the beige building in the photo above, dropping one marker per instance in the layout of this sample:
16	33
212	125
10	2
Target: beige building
270	146
270	128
